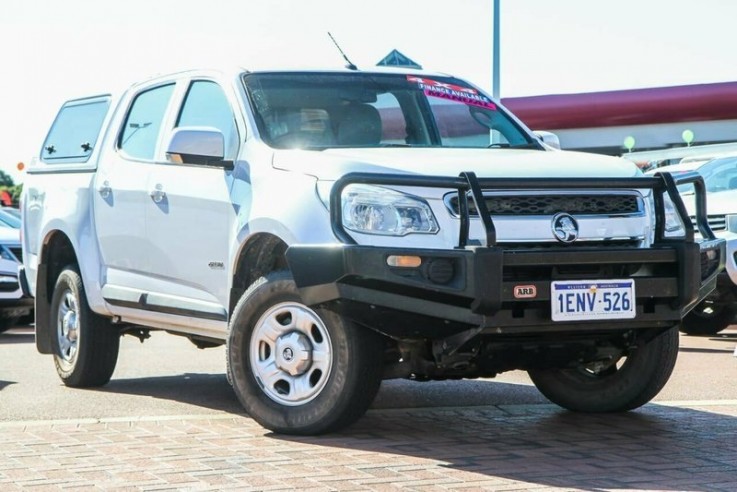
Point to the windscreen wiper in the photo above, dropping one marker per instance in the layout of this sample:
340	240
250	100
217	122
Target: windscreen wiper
504	145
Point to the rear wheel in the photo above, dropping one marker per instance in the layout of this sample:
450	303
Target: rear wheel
708	318
298	370
621	385
85	344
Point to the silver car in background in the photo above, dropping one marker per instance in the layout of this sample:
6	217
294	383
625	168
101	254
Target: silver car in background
15	307
719	310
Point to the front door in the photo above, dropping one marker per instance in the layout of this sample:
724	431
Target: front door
190	217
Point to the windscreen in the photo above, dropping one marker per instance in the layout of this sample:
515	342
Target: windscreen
718	174
328	110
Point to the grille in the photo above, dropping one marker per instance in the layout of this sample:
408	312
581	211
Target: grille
552	204
9	286
540	246
18	253
716	222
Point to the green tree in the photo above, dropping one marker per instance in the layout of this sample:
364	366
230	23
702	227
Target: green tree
7	184
5	180
15	193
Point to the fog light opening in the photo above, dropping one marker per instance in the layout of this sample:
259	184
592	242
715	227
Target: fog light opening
440	271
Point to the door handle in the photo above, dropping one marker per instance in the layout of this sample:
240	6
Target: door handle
104	190
158	195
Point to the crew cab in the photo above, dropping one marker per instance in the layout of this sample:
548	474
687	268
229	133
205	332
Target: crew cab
334	228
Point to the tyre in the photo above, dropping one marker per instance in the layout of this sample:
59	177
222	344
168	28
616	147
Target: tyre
629	383
85	344
7	323
297	370
708	318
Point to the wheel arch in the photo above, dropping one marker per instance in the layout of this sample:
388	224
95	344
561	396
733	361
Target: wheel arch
261	254
57	251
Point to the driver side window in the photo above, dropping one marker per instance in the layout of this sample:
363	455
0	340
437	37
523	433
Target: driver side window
207	105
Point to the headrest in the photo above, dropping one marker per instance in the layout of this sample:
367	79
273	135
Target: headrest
359	125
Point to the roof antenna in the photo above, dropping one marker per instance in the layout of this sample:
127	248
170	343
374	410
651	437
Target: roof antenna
349	65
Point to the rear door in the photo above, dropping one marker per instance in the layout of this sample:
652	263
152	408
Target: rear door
121	196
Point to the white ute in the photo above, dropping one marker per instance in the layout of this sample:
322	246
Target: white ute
336	228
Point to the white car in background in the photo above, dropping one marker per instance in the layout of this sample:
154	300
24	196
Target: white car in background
719	310
14	306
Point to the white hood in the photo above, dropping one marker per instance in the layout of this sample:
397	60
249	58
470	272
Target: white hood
331	164
717	203
8	235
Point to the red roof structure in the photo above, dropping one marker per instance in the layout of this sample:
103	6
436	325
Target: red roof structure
703	102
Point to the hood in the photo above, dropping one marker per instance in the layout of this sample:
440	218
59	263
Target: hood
717	203
331	164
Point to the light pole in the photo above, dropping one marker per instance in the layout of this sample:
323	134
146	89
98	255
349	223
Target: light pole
495	62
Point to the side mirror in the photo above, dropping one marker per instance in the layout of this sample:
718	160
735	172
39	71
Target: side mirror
548	138
198	145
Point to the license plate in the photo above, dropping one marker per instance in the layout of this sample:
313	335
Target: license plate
584	300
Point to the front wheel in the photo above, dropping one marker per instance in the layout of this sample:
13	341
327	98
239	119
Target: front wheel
298	370
623	385
708	318
85	344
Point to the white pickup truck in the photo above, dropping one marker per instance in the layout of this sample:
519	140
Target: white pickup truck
336	228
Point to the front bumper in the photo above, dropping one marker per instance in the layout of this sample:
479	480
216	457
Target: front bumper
478	288
731	255
13	300
454	290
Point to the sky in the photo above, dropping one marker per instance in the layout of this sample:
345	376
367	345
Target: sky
54	50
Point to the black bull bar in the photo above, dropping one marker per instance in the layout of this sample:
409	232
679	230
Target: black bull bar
356	281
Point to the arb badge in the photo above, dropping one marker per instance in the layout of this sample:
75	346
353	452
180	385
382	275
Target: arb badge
525	291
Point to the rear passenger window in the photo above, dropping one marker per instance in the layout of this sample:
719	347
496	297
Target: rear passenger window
74	133
206	105
142	126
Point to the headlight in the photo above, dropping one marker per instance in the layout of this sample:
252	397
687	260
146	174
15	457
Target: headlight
673	225
377	210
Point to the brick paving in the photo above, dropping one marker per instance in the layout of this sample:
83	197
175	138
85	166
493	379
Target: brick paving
504	448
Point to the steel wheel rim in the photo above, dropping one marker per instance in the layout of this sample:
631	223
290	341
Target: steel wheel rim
291	354
67	326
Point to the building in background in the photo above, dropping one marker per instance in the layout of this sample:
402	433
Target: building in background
653	119
397	59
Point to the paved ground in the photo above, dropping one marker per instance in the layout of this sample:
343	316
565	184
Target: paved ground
493	441
492	448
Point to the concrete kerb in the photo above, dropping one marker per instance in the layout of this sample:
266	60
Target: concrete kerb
510	410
